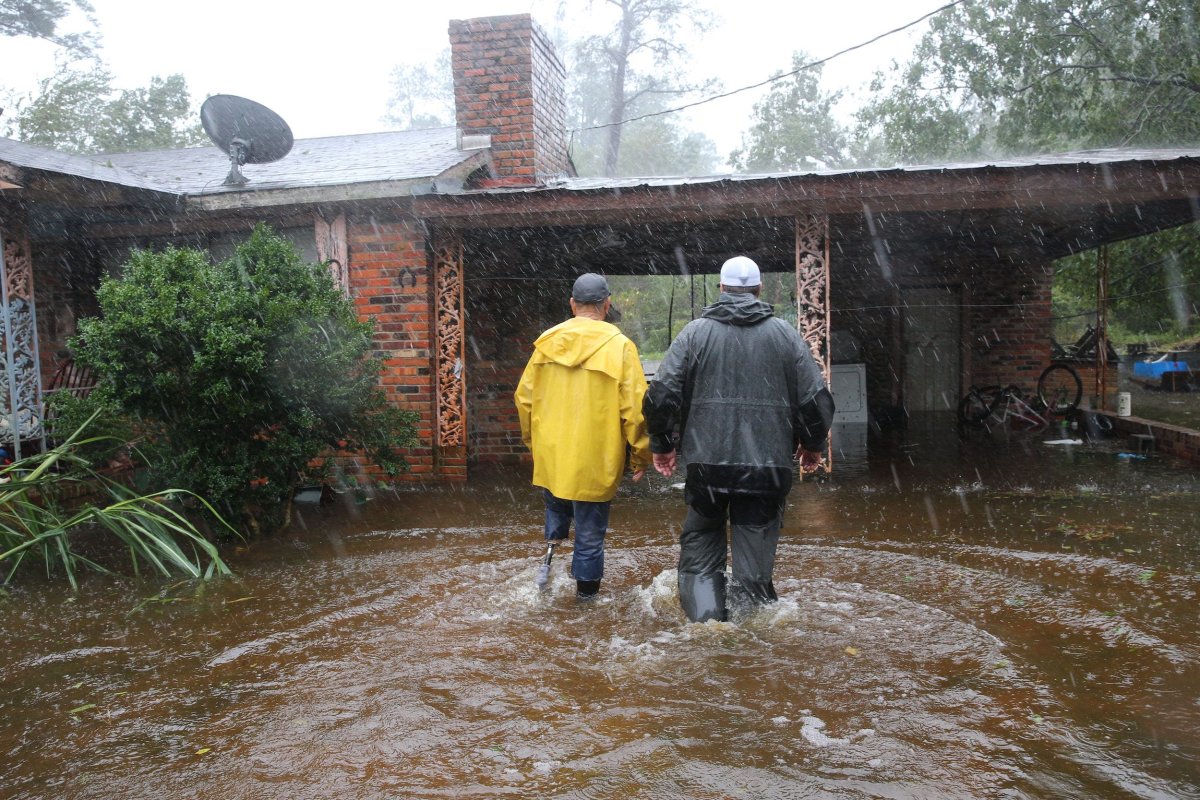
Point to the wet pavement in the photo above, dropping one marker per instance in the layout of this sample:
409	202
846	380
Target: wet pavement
980	617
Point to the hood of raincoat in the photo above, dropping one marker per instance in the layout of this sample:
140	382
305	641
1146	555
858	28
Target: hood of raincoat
574	343
738	309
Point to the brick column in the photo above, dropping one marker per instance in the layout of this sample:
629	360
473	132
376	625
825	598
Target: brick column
1009	322
390	281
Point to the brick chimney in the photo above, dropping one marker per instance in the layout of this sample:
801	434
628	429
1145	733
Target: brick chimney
508	84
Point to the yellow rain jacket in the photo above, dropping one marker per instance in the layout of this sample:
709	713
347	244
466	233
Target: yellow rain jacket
580	403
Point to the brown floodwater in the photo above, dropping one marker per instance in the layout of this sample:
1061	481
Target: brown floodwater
993	617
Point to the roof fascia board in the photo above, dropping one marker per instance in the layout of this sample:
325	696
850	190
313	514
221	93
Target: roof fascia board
11	176
345	193
66	190
897	191
449	180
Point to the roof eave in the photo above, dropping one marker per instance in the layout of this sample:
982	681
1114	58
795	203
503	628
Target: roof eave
35	184
450	180
933	190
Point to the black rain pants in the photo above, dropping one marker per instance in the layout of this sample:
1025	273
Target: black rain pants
755	521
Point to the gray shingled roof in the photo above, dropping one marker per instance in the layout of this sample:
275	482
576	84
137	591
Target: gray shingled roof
96	168
394	156
423	155
330	161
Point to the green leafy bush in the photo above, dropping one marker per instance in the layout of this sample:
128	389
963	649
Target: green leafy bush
239	375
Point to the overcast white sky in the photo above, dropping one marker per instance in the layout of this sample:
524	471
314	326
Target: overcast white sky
324	68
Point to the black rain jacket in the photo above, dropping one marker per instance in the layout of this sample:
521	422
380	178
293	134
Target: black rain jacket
743	389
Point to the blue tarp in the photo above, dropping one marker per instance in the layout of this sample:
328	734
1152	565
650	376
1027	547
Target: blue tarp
1155	369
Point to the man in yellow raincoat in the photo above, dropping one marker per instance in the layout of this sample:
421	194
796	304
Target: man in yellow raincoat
580	404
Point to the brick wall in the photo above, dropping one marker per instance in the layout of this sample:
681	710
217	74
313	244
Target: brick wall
1169	440
1087	374
390	280
1005	321
1007	327
504	317
508	83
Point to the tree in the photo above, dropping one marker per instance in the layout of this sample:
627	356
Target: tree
635	69
1019	76
240	374
655	146
158	116
77	110
911	125
1015	76
1153	286
793	127
662	146
41	19
654	308
423	95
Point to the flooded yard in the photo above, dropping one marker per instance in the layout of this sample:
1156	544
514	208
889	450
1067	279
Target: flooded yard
988	617
1153	402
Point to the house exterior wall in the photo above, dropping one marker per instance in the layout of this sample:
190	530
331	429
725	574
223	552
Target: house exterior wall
390	276
65	291
504	319
1008	323
1005	337
391	281
1005	324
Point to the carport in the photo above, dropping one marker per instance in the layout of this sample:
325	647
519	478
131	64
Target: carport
932	278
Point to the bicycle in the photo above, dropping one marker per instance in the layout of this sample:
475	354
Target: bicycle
1059	389
1007	404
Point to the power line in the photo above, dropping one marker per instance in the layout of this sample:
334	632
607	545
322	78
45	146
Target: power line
780	77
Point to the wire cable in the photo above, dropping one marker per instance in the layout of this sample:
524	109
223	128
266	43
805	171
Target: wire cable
779	77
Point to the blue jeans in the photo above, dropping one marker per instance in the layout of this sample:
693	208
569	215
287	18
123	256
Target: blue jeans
591	523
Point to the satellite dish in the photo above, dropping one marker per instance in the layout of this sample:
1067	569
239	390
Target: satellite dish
248	131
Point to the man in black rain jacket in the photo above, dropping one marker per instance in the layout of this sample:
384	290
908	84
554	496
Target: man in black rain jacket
748	399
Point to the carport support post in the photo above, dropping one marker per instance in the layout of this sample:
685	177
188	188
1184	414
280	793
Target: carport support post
21	375
812	293
1102	328
450	450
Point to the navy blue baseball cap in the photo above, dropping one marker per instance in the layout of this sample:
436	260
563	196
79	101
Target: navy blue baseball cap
591	287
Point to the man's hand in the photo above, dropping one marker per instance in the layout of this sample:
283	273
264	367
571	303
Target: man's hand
637	474
664	463
810	460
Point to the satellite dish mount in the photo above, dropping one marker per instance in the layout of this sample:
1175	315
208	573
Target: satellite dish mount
248	132
237	157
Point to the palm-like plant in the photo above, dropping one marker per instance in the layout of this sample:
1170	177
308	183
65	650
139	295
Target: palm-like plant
38	519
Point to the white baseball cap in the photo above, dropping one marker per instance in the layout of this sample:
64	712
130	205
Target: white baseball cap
740	271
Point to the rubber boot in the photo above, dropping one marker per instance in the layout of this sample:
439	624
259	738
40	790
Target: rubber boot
703	596
586	590
745	597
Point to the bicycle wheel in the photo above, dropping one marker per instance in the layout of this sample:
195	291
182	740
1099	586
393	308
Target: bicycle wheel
977	404
1060	389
